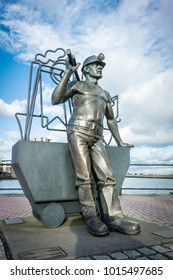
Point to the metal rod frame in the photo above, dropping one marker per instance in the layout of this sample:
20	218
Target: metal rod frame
56	69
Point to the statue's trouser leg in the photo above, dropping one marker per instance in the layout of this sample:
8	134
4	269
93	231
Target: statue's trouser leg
90	213
109	202
80	155
110	207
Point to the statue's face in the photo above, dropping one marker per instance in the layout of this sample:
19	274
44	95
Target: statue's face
95	70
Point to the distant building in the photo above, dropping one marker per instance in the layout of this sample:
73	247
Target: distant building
6	170
40	138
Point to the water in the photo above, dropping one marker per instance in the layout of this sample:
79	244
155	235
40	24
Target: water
147	186
152	185
13	187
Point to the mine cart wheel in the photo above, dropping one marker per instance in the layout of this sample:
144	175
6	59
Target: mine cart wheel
52	215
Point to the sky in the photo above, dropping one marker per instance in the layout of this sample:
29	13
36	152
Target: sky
136	38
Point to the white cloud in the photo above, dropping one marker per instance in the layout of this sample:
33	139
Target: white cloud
137	39
80	24
146	111
13	135
144	154
7	142
9	110
5	149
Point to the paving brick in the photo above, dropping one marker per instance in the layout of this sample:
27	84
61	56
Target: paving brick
2	251
103	257
84	258
119	256
169	245
142	258
157	257
2	254
160	249
132	254
146	251
170	255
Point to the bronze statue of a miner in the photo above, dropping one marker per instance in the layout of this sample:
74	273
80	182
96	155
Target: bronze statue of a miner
91	104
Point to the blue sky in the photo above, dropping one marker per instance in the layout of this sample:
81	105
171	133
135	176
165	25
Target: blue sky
137	40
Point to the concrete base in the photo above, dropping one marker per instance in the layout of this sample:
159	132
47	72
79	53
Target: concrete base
31	240
46	174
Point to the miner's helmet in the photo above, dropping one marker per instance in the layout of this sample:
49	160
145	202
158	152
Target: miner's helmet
94	59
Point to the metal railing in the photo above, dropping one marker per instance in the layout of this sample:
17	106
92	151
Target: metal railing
153	176
18	190
147	189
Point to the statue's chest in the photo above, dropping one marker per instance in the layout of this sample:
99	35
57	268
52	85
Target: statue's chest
90	94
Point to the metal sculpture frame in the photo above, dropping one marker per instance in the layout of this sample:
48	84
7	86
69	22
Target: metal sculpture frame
55	68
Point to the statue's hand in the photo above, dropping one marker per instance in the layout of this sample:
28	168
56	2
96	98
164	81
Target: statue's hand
74	68
127	145
71	68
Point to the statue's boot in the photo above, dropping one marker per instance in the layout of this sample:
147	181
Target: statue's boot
89	211
112	214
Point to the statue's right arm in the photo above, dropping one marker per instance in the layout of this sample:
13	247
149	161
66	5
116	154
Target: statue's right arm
61	93
60	89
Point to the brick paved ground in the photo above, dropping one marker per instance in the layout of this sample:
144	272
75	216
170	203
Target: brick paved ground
159	252
14	206
151	208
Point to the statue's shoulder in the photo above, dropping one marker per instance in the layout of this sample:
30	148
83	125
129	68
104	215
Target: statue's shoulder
107	95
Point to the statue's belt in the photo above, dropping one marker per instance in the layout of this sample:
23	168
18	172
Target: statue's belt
87	125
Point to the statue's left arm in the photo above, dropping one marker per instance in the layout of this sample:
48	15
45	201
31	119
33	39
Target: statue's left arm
112	125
